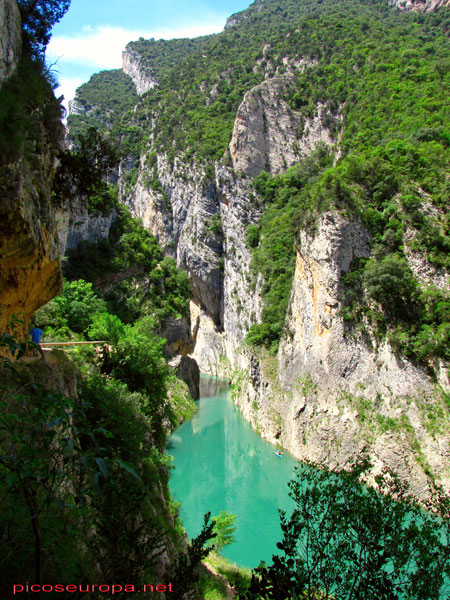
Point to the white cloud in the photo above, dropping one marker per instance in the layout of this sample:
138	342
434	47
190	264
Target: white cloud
67	88
101	48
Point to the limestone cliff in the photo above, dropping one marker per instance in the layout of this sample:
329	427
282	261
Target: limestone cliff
180	217
75	224
141	76
10	38
201	218
30	271
266	132
332	394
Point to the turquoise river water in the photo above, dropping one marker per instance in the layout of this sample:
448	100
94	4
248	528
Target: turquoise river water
221	463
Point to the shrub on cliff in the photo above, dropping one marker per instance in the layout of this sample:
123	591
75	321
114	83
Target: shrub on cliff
130	267
72	310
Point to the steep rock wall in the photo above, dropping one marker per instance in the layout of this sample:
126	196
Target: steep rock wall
132	66
10	38
269	134
331	394
202	223
75	224
180	218
30	271
202	219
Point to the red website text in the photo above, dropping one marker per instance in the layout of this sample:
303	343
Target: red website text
96	587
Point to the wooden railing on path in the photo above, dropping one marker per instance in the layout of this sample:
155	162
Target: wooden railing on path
45	344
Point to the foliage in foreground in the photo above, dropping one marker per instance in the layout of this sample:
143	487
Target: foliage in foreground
347	541
84	480
85	168
38	17
130	271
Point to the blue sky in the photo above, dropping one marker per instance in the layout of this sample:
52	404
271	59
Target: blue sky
93	33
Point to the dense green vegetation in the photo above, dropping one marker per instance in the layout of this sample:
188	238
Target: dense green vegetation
131	273
202	81
85	168
394	102
84	480
382	291
104	98
388	105
224	528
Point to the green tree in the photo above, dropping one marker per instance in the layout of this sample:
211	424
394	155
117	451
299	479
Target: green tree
45	477
185	572
74	308
85	168
136	359
38	17
344	540
224	528
390	282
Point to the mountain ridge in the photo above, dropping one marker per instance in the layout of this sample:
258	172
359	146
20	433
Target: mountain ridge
231	173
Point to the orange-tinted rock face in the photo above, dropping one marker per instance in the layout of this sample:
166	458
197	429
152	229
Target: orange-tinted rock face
30	270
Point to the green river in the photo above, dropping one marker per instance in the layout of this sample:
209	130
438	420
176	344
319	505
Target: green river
221	463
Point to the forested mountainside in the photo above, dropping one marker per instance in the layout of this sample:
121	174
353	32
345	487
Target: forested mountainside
296	165
269	204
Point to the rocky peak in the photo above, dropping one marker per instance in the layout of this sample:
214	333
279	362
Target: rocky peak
132	65
269	134
78	108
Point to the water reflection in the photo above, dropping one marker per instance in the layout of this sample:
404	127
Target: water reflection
222	464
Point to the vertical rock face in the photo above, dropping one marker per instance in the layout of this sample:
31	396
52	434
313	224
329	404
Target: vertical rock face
202	223
318	343
181	218
30	271
75	224
419	5
10	38
268	132
327	394
202	220
132	66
